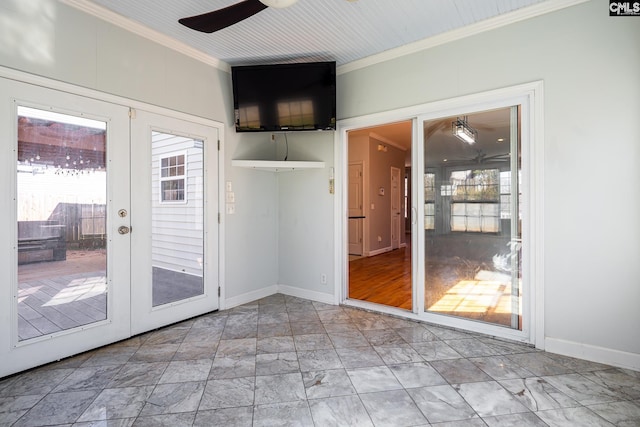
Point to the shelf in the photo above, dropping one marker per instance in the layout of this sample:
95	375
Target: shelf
277	165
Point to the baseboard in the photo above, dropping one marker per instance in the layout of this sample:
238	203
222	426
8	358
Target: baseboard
607	356
250	296
275	289
380	251
306	294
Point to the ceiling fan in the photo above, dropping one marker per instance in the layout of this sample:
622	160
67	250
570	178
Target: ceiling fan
482	158
222	18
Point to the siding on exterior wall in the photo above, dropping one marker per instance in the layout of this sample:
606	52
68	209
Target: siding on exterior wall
177	228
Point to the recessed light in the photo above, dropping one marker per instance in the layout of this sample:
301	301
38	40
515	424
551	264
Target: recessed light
500	140
445	160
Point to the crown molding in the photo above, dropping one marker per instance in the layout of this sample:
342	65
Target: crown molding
420	45
460	33
146	32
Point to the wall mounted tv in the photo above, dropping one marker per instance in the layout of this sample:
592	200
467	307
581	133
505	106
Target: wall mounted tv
284	97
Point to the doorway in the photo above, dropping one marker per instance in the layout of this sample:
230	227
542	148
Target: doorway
82	179
379	241
481	193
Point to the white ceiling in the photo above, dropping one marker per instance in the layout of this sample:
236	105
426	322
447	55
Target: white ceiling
346	31
311	30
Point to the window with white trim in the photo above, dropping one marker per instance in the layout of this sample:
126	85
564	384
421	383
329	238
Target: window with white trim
475	201
173	179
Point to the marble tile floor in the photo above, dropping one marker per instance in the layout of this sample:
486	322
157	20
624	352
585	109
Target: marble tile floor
285	361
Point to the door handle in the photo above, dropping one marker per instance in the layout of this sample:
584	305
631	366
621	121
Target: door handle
123	229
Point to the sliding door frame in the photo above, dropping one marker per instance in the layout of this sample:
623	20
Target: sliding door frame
530	97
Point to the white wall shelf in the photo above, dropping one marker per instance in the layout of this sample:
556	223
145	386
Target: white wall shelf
277	165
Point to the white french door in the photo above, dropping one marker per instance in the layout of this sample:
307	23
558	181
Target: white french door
65	175
175	220
109	224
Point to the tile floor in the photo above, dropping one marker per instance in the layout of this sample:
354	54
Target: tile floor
287	361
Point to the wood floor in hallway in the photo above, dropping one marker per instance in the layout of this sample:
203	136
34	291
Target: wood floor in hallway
382	279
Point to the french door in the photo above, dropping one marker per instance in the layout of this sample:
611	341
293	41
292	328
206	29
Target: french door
104	223
174	234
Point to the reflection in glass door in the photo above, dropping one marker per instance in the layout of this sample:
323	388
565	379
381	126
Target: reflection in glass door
177	217
174	240
472	217
61	222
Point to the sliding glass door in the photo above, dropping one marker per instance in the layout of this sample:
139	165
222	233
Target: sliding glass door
472	217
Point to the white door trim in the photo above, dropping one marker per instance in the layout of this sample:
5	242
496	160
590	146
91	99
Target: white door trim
530	95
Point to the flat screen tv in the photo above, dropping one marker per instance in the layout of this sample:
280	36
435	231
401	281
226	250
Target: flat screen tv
284	97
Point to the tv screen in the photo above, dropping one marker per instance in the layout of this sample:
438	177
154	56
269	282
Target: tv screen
284	97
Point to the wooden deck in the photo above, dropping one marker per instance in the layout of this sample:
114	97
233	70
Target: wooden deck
61	295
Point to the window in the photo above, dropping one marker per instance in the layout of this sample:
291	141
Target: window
429	201
248	117
505	195
475	200
172	179
296	114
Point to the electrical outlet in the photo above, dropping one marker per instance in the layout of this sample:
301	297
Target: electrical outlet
323	279
379	238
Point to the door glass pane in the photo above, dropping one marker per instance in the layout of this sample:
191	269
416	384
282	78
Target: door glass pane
61	222
177	217
472	217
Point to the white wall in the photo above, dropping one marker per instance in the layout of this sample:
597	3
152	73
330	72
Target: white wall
588	61
305	223
590	64
50	39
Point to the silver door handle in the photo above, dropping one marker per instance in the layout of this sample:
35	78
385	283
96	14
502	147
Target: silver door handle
123	229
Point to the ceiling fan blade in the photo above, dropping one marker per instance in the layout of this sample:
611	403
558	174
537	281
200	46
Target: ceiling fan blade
223	18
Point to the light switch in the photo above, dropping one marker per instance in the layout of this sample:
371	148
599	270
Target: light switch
229	187
231	208
231	197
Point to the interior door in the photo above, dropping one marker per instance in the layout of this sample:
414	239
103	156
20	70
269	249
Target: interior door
356	213
64	251
396	216
175	220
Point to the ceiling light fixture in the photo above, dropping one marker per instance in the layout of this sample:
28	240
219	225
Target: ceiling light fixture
461	129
